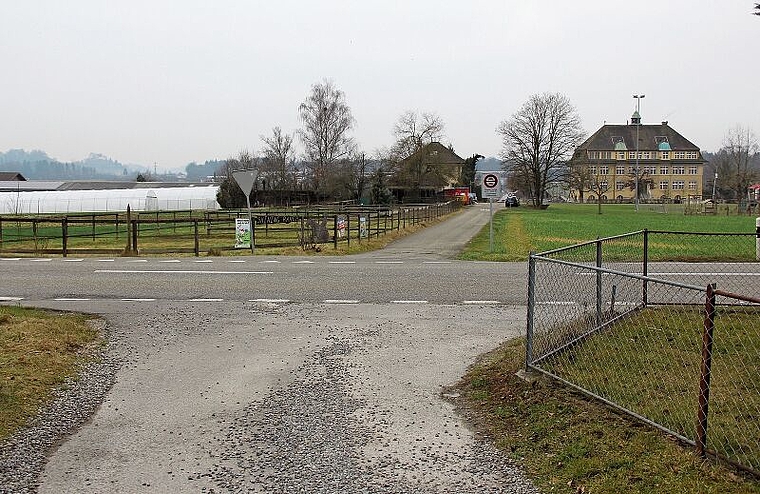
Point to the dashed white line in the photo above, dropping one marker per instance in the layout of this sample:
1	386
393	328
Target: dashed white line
409	301
10	299
271	300
176	271
71	299
137	260
138	300
480	302
106	260
269	262
204	261
73	260
170	261
236	262
341	262
339	301
10	258
303	262
389	262
206	300
41	260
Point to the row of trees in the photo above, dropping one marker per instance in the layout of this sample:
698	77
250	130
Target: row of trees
332	165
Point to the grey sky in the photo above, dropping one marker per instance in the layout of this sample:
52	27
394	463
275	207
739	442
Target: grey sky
172	82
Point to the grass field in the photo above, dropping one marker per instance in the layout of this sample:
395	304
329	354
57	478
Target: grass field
39	351
569	444
517	231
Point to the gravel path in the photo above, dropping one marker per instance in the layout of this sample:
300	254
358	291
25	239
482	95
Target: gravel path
268	398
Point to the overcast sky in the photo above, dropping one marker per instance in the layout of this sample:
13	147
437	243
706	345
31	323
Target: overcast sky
175	81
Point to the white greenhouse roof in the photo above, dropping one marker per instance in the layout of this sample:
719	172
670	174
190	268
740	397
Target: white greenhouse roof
113	200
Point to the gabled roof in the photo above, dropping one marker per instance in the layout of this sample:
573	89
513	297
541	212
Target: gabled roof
650	138
11	177
435	153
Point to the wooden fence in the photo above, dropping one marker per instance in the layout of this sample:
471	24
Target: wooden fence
195	232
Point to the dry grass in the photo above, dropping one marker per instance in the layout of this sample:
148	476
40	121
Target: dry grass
39	351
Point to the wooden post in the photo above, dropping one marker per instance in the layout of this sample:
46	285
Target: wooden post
348	230
65	236
117	225
197	241
134	236
335	231
129	226
704	374
93	226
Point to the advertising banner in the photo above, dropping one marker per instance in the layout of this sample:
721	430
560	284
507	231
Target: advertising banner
242	233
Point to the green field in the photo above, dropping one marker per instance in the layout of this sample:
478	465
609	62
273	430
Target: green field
518	231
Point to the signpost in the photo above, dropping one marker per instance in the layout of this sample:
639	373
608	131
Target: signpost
490	189
245	180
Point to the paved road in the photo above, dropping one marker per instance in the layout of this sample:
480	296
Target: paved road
272	374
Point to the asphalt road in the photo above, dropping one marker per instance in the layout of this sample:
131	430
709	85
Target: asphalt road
250	374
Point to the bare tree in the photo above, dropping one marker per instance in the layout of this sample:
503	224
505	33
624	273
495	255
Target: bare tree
412	132
279	156
757	9
734	161
578	178
327	121
538	139
229	194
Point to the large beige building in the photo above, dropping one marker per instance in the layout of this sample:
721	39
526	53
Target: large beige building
670	167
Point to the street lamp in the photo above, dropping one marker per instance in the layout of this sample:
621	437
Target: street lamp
638	98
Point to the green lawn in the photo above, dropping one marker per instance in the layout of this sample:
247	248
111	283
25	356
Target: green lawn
517	231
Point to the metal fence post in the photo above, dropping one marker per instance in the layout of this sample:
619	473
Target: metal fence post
598	282
645	268
531	310
704	374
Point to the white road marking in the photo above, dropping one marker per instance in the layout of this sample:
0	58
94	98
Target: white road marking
303	262
270	300
176	271
389	262
341	262
105	260
480	302
339	301
205	260
41	260
10	299
269	262
206	300
73	260
173	261
238	262
10	258
69	299
409	301
137	260
138	300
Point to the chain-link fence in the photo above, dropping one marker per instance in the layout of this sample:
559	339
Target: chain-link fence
655	340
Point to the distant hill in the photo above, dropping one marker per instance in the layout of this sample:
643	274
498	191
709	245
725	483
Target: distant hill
37	165
488	165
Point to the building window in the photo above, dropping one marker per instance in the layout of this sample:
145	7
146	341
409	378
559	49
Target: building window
692	170
678	185
665	155
594	155
692	185
646	155
621	155
663	170
663	185
679	155
691	155
603	185
605	155
620	170
619	185
631	155
592	170
678	170
604	170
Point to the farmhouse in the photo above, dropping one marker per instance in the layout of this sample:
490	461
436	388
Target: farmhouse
670	167
427	172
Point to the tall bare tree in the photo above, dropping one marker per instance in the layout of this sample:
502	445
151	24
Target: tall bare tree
279	156
327	121
538	139
734	162
412	132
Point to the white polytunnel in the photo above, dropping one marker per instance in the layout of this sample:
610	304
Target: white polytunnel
110	200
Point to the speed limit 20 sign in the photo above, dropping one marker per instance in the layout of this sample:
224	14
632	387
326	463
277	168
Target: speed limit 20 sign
490	185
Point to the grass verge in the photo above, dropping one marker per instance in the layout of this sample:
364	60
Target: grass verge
569	444
39	351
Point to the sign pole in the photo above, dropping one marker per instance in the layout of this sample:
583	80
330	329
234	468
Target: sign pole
245	180
490	208
490	190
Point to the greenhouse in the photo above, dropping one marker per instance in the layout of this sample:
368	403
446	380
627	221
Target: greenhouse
109	200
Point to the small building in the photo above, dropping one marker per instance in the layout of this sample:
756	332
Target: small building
669	166
427	173
11	177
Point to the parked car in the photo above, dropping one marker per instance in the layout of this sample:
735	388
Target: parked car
511	202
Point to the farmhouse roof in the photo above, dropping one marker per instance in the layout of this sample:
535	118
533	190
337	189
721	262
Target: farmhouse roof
11	177
652	137
435	153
